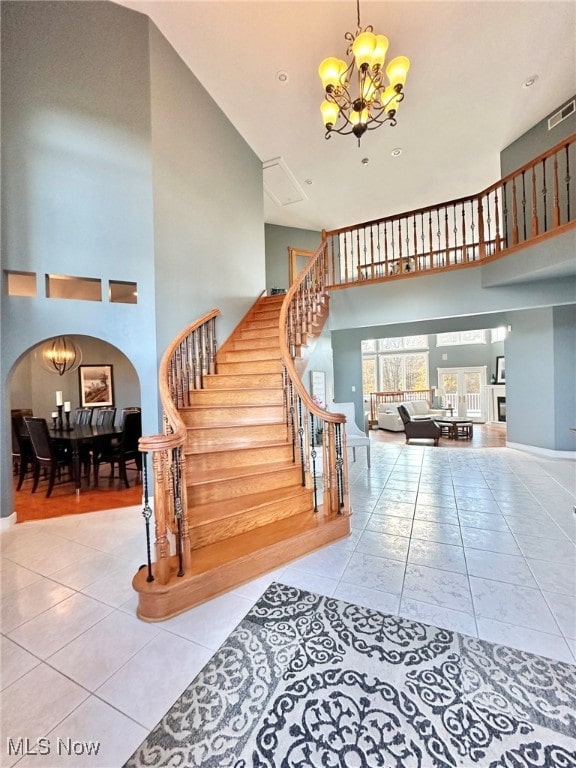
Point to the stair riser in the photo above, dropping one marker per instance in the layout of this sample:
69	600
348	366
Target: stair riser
252	325
239	486
251	366
262	396
207	438
246	457
268	342
245	355
247	521
233	415
259	333
257	380
266	312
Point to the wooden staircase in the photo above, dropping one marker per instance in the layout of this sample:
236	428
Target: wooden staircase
248	511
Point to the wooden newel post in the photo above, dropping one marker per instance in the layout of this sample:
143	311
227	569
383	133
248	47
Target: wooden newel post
186	548
161	469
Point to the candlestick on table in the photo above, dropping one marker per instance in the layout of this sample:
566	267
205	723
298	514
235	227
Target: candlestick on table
59	422
54	417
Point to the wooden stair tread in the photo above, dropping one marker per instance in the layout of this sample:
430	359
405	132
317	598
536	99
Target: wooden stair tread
205	513
225	406
236	427
246	544
231	473
238	446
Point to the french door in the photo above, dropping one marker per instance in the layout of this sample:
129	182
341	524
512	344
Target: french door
463	389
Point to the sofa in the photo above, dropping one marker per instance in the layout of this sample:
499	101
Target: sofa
419	410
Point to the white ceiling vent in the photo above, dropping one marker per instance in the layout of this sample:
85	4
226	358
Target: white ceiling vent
280	184
562	114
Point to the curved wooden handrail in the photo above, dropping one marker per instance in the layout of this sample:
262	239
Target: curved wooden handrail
285	352
168	462
304	304
172	417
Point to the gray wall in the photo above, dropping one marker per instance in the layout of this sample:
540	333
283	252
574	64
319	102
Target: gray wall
208	203
535	141
278	240
113	159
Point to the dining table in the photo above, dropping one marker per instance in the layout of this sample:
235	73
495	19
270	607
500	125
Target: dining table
78	437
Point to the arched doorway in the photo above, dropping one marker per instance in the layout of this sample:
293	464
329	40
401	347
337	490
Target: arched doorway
33	387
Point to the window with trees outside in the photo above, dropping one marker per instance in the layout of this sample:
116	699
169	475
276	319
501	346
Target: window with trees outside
393	364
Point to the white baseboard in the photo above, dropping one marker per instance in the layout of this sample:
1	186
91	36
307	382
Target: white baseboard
7	522
544	452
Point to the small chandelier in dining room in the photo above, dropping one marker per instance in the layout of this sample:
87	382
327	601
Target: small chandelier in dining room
361	95
60	355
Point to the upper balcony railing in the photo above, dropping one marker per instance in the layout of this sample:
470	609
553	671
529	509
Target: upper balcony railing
528	205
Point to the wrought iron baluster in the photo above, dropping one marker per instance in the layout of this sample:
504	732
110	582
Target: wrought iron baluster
556	199
147	514
544	194
524	202
313	458
339	463
301	440
514	213
464	248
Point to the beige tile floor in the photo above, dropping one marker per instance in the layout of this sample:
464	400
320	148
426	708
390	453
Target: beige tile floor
481	541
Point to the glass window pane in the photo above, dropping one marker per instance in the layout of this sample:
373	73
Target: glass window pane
369	375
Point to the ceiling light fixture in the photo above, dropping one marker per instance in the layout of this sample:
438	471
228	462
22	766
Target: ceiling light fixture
361	100
60	355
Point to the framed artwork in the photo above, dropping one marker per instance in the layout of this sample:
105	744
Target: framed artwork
96	385
318	387
500	371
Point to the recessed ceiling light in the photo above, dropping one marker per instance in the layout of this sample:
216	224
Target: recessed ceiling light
365	160
529	82
307	181
396	152
282	76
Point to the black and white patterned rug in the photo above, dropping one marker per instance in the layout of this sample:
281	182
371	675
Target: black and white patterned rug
311	682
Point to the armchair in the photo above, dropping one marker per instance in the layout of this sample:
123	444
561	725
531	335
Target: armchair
418	429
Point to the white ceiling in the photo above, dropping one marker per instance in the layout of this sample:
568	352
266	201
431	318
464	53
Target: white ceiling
464	102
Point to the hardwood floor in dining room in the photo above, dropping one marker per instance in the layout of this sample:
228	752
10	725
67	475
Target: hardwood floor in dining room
110	494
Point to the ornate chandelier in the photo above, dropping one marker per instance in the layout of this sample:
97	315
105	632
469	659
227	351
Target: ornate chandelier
359	97
60	355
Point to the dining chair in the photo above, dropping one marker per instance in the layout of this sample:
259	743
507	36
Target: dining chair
124	451
105	417
82	416
45	455
22	453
